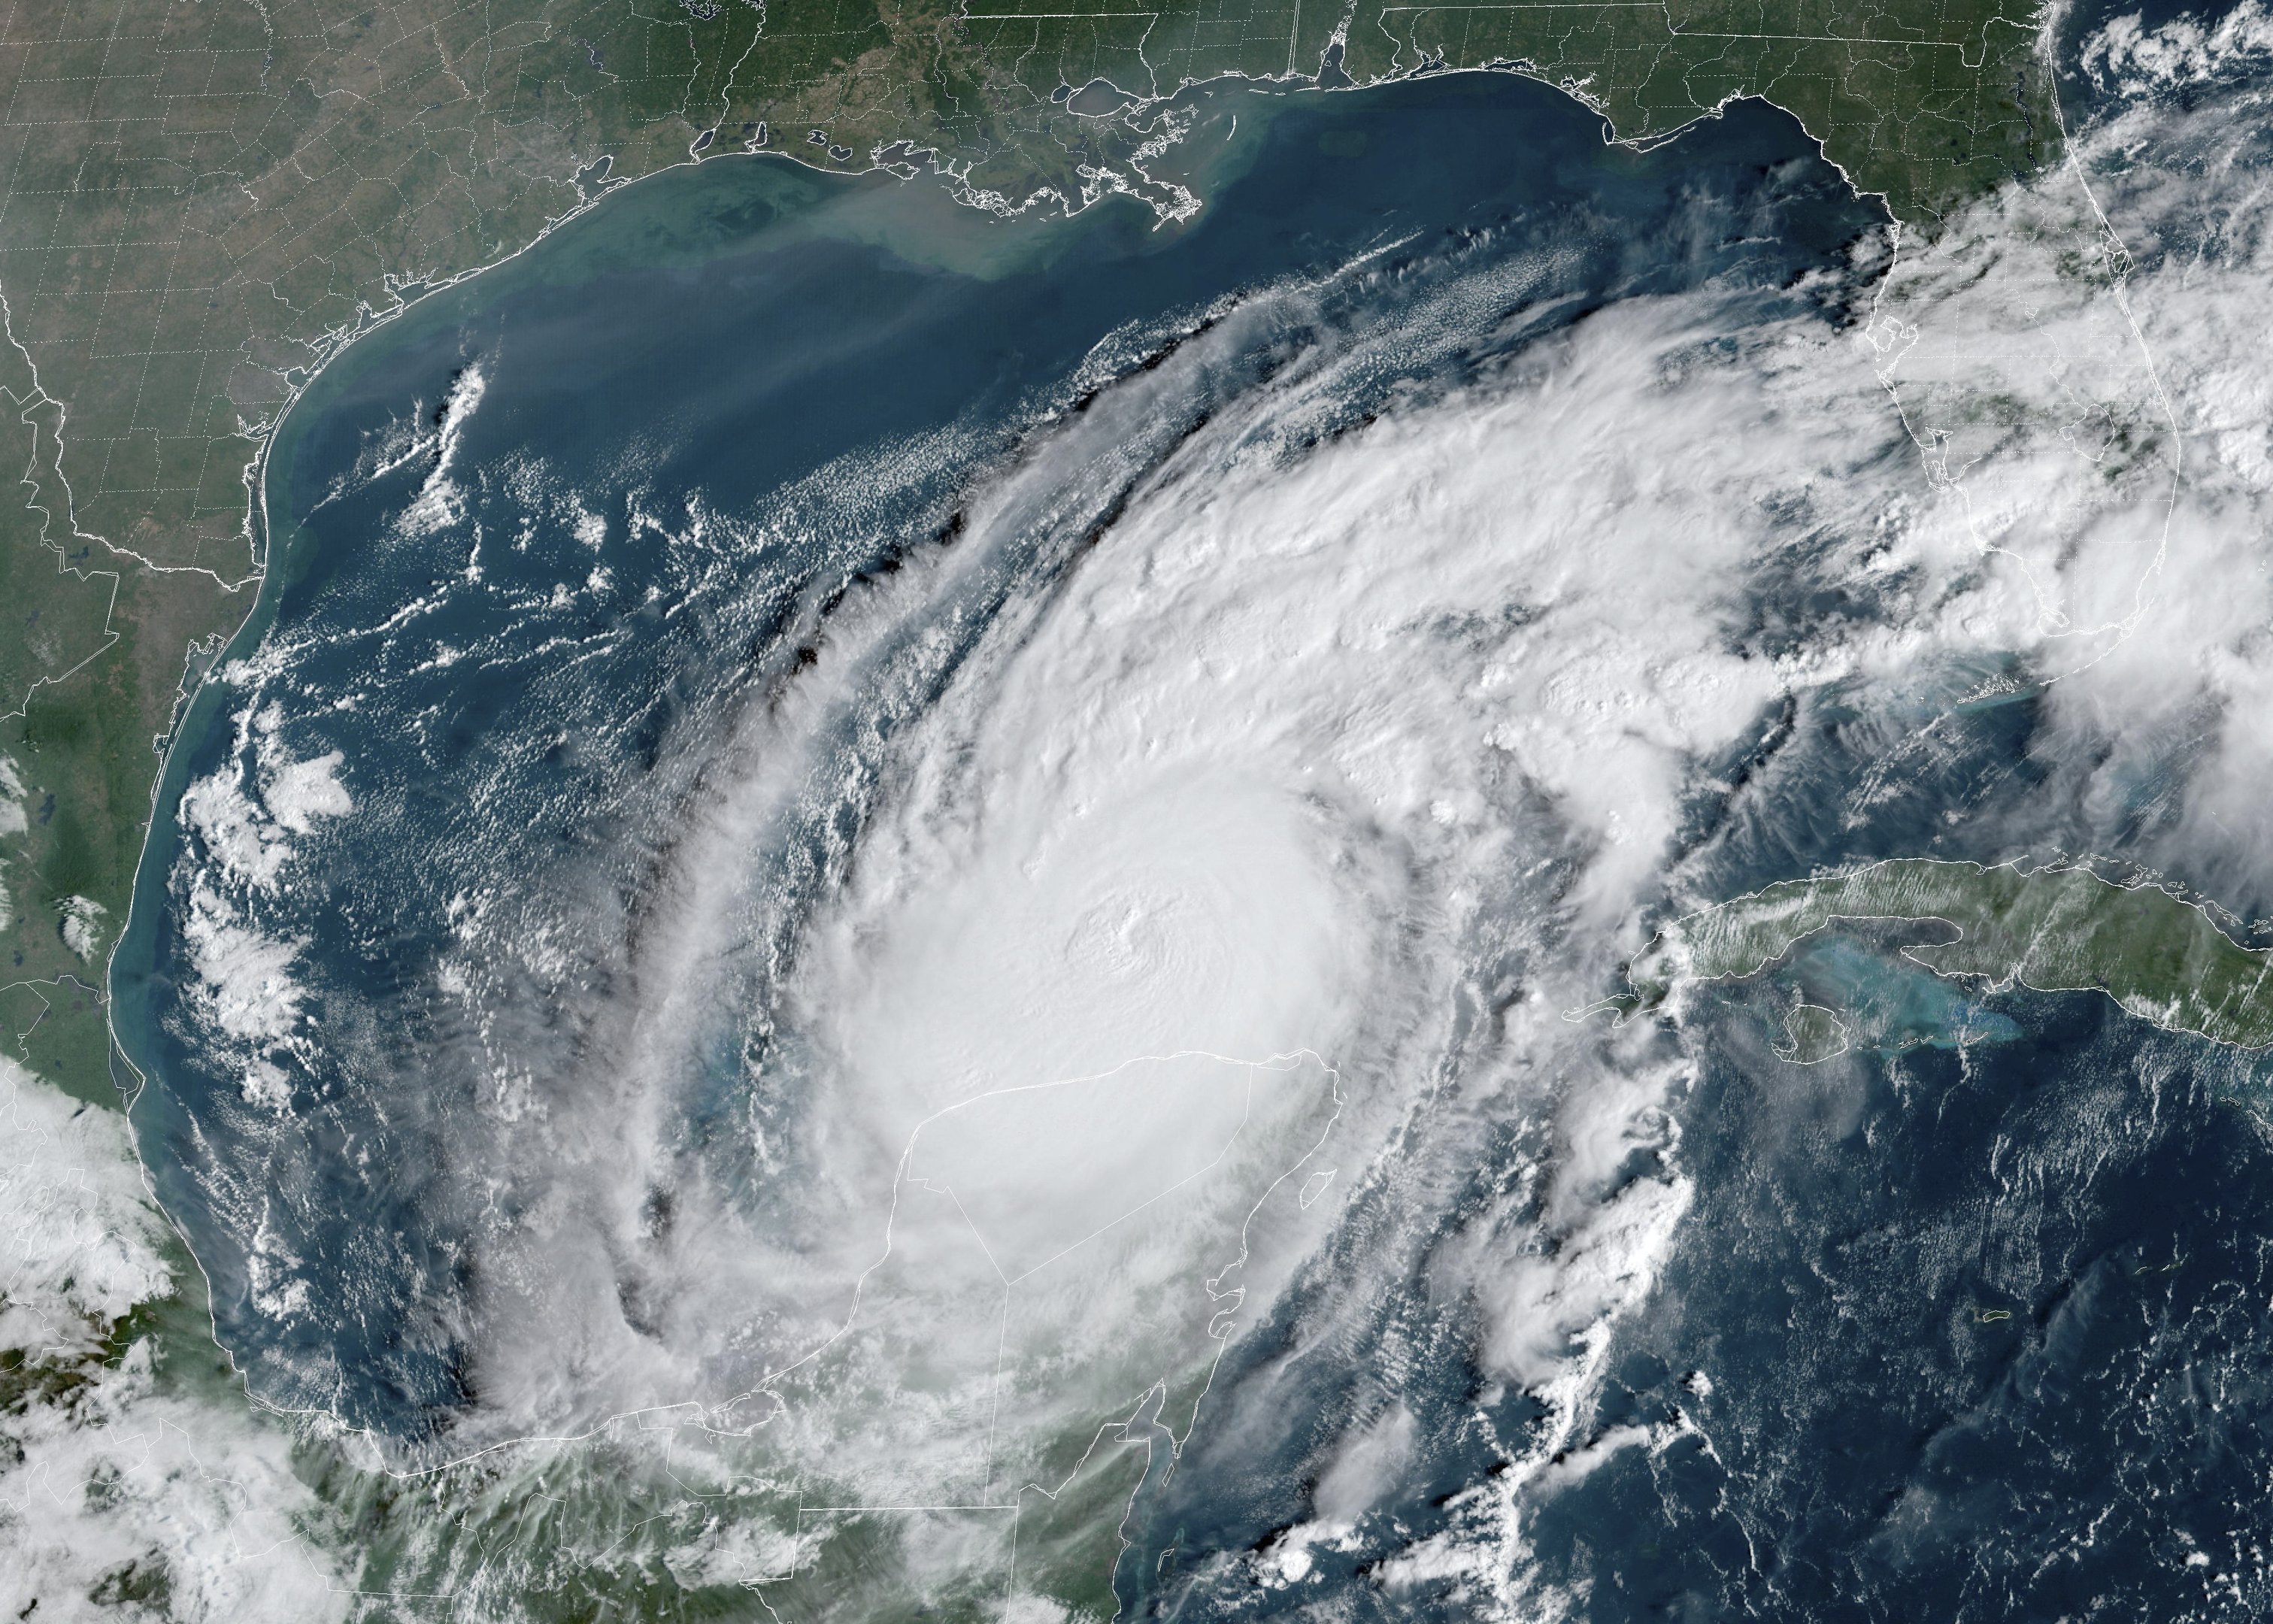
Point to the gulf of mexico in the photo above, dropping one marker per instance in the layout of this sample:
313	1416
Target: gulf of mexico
681	361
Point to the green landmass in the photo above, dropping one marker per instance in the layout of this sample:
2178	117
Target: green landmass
205	200
2056	930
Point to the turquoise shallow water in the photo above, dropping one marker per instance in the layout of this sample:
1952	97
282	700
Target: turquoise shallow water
748	377
1934	1336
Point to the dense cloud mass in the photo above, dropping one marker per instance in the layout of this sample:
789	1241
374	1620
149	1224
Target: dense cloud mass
113	1475
1009	953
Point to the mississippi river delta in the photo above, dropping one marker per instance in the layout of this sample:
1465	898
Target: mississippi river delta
205	205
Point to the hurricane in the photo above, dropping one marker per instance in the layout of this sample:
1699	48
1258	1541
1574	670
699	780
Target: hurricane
826	959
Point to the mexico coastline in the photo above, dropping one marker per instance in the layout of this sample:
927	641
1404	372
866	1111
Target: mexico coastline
721	332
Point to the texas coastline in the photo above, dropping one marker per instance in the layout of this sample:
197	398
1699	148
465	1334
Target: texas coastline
1295	183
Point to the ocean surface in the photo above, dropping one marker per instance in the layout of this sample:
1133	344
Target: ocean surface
669	392
513	1061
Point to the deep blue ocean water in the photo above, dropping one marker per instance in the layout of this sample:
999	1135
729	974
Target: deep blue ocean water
1984	1323
707	344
